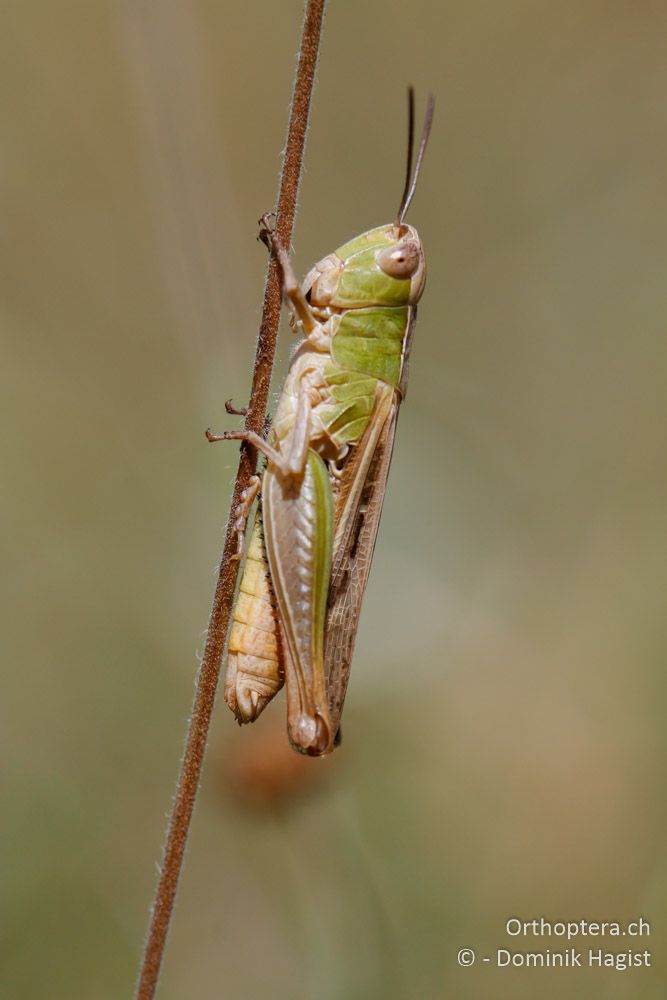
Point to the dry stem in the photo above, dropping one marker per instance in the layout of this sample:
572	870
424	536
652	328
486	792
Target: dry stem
191	764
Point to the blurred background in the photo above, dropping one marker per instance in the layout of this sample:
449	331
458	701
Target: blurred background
504	748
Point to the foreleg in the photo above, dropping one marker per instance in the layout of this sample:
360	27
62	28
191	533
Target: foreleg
292	290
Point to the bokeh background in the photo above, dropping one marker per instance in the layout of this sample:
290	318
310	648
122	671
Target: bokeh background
504	749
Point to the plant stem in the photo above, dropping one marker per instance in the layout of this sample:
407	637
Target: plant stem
207	681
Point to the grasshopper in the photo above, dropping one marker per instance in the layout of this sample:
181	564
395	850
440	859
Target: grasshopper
327	459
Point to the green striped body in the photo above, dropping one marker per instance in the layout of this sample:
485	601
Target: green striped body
351	376
366	354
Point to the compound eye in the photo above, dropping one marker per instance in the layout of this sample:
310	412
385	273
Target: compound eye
400	261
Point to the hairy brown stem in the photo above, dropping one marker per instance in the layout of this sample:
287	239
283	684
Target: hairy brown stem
195	744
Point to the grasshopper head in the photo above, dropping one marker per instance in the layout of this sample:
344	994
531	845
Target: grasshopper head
383	267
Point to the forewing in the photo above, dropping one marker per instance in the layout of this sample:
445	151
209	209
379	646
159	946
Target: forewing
357	508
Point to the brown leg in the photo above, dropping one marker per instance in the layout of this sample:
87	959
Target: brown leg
291	286
242	411
252	438
247	499
233	411
290	467
291	462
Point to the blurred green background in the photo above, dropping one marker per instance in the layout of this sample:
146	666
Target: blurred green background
504	749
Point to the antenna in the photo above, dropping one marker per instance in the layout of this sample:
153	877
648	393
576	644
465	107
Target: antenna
411	143
411	182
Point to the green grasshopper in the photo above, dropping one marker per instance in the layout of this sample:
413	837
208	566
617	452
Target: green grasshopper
327	460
